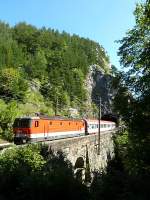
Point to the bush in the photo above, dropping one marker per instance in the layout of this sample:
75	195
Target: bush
8	113
30	172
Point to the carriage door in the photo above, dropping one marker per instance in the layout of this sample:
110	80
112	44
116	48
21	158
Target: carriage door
45	129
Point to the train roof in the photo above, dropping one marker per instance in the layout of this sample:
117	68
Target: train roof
96	121
27	117
50	118
60	118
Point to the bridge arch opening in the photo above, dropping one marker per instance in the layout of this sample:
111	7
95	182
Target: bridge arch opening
79	163
79	169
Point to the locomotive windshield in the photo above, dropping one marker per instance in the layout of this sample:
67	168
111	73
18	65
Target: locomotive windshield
22	123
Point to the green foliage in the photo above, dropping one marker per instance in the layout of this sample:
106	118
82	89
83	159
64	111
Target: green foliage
135	57
12	84
134	52
31	172
44	70
36	65
11	54
35	102
23	159
26	36
59	58
132	102
118	182
8	113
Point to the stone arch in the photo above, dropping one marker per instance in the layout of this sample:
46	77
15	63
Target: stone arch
79	169
79	163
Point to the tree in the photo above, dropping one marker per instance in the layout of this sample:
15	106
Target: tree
10	53
134	52
12	84
33	172
8	113
36	65
135	57
57	61
26	36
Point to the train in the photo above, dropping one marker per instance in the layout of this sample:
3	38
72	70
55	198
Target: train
38	129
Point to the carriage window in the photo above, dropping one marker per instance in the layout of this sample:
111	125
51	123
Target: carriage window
69	123
36	123
60	123
50	123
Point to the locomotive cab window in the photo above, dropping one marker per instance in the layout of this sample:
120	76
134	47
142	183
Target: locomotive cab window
22	123
36	123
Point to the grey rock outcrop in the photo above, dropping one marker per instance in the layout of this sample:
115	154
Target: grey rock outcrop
98	85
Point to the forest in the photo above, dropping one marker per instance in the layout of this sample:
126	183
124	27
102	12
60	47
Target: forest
44	71
127	176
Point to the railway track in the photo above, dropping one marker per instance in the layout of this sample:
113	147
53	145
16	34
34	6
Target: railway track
5	145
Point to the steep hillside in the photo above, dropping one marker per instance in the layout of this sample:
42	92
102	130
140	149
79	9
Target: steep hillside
42	70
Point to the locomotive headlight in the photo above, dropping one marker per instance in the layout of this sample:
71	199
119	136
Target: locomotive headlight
19	132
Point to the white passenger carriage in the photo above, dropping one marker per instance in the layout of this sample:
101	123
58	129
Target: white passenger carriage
92	126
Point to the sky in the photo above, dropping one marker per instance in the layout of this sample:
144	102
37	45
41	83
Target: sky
103	21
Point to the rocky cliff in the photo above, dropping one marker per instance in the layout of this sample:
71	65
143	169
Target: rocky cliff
98	85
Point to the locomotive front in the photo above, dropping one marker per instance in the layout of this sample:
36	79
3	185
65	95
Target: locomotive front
22	130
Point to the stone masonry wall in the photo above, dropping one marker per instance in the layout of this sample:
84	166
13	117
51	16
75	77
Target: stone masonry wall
83	151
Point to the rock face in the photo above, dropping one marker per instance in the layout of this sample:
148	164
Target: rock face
98	85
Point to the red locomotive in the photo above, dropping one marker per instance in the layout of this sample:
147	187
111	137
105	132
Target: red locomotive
34	129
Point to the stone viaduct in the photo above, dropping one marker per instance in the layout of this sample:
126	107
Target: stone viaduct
83	153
